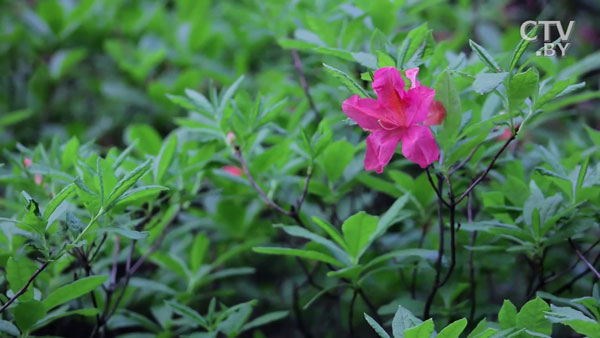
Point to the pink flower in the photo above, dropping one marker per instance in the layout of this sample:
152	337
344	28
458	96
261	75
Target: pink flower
37	177
233	170
397	115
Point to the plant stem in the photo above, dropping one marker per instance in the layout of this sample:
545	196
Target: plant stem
438	264
487	170
351	313
472	281
303	83
24	288
589	265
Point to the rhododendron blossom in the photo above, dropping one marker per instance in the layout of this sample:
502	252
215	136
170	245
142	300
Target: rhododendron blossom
398	115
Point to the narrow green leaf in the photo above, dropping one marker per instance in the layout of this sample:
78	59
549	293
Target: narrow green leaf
72	290
378	329
331	231
127	182
485	57
265	319
521	47
346	80
188	312
308	254
65	193
227	96
165	157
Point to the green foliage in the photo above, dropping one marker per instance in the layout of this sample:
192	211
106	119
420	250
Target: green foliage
159	160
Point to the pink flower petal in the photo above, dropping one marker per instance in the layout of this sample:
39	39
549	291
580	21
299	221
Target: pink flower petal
436	115
37	178
418	145
389	86
381	145
233	170
27	162
411	74
364	111
418	102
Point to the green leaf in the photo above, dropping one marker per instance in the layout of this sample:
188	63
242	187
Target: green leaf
64	60
384	60
148	139
331	231
423	330
390	217
486	82
579	322
27	313
297	231
357	231
531	317
454	329
188	312
308	254
72	290
165	157
507	315
485	57
70	153
336	158
18	272
198	251
378	329
126	182
447	94
8	327
265	319
14	117
227	96
346	80
65	193
139	195
521	86
403	320
521	47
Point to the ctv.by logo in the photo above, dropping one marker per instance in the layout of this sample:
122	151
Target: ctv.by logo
548	49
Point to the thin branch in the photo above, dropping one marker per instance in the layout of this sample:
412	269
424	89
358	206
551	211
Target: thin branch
438	264
24	288
487	170
304	190
437	191
472	281
589	265
263	195
569	269
370	305
452	232
115	257
351	313
303	83
570	284
465	161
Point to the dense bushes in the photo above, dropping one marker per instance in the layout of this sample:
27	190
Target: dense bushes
175	168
